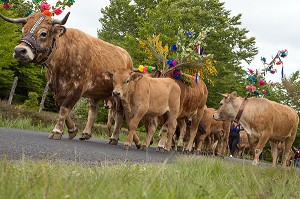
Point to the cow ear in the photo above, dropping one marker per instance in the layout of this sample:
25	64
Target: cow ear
233	95
59	31
136	77
107	76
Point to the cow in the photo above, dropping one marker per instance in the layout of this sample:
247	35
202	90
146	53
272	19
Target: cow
74	62
212	130
146	97
192	103
244	144
266	119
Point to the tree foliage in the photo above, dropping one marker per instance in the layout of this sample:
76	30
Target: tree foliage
126	22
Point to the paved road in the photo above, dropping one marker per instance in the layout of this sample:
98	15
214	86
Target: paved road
16	143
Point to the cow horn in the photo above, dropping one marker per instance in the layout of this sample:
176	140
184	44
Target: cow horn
63	21
17	20
224	95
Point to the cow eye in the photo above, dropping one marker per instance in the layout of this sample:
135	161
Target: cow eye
221	104
43	34
127	81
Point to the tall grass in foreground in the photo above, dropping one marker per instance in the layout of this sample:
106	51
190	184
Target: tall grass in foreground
188	177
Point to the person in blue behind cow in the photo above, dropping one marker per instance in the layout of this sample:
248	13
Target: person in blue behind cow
234	137
297	157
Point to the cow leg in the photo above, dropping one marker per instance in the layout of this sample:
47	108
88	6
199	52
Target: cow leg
182	127
274	150
109	122
260	145
132	126
163	138
92	115
171	123
150	131
288	145
194	127
72	129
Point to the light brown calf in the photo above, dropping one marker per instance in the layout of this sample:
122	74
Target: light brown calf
145	97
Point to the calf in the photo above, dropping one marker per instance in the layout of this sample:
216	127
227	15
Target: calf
145	97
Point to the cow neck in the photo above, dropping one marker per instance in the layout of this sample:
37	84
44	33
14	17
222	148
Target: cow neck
241	110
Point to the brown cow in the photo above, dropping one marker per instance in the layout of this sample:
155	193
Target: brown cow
74	63
210	133
113	105
263	118
146	97
192	102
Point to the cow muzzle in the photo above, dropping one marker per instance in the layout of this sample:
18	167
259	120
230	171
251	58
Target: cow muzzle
23	53
216	116
116	94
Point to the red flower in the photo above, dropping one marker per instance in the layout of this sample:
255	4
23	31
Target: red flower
45	6
57	11
48	13
251	71
261	82
6	6
278	63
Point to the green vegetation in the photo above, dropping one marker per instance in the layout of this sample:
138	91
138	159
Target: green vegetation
188	177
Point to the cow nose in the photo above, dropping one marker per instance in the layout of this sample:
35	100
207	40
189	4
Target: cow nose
116	93
20	52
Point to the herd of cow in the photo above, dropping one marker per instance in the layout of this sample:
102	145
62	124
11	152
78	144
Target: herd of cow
79	65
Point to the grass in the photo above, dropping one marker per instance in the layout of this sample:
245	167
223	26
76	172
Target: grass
188	177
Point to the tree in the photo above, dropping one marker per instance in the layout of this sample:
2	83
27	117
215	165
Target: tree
125	23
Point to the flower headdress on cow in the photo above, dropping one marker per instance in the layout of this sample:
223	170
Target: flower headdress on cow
26	8
187	53
258	85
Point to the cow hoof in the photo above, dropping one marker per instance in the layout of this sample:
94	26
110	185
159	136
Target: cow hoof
73	133
113	141
126	147
85	136
165	151
198	152
143	147
56	136
138	146
179	148
50	136
158	148
151	142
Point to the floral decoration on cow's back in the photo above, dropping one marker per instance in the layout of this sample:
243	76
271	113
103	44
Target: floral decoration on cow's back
257	85
186	56
26	8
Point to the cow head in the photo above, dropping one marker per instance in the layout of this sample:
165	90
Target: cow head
228	108
39	34
121	81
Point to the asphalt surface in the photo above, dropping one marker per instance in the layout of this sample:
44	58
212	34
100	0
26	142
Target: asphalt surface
16	144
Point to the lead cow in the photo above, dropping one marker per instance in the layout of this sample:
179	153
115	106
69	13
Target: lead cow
74	63
263	118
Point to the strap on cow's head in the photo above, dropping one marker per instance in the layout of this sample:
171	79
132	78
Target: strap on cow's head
31	42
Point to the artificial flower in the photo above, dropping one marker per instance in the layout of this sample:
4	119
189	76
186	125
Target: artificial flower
189	34
57	11
284	53
150	69
6	6
45	6
278	63
272	71
141	68
264	92
174	47
248	87
174	62
170	62
251	71
253	88
145	69
176	74
261	82
48	13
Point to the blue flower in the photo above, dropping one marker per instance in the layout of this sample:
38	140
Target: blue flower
189	34
170	62
174	47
